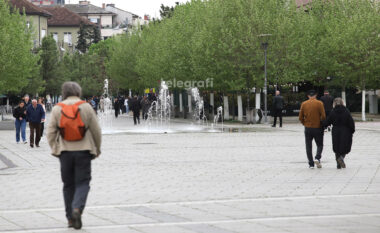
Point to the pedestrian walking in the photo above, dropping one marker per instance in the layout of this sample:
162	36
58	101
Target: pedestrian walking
311	114
41	102
116	106
35	115
135	107
278	105
74	137
327	101
19	113
342	131
27	101
145	105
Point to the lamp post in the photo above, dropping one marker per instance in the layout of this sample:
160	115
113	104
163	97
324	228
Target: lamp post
265	44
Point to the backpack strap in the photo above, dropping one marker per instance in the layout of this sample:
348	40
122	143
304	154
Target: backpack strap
80	103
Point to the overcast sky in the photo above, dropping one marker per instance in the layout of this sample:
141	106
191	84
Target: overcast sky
139	7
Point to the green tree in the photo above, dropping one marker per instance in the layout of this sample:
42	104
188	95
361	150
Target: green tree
18	65
83	35
48	61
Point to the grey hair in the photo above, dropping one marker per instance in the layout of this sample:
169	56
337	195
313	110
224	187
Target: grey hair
71	89
338	101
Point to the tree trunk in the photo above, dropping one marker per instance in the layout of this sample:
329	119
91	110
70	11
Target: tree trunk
180	103
226	108
240	108
258	102
212	105
363	105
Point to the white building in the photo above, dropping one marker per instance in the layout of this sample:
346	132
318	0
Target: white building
96	15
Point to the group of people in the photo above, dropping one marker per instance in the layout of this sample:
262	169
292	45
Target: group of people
74	135
316	115
32	111
136	105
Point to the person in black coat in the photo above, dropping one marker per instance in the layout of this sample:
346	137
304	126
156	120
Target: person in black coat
327	101
278	105
135	107
116	105
342	131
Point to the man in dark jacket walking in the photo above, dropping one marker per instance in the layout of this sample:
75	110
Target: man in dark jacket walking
35	114
116	106
327	101
145	105
311	115
342	131
278	105
135	107
19	113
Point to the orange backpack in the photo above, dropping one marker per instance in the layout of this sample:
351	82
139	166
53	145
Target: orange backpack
71	125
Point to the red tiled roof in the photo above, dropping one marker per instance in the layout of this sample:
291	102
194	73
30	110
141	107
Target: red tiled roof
30	8
62	17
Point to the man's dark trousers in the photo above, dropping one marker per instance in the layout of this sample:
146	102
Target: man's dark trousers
35	128
317	135
277	113
136	117
76	177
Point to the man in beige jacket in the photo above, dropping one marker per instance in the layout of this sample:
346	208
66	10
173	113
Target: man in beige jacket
75	156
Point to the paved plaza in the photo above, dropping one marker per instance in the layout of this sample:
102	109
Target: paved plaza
255	180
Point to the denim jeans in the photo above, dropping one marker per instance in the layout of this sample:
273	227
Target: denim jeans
20	126
76	177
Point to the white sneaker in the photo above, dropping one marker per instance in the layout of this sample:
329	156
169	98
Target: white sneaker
17	142
25	142
318	163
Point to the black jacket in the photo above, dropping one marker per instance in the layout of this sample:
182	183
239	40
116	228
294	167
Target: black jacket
327	101
135	105
278	102
343	129
19	112
145	105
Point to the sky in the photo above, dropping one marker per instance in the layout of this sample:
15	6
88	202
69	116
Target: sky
139	7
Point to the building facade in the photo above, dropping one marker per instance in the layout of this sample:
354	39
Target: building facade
47	2
64	26
96	15
37	19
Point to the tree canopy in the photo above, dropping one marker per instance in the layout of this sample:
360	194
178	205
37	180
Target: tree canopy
18	65
220	39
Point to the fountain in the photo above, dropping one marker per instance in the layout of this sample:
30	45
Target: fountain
219	115
105	114
160	110
158	120
199	109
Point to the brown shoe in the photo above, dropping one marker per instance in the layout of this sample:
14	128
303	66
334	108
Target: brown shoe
77	219
70	223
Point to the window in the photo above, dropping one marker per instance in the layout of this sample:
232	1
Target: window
67	38
43	33
94	20
55	36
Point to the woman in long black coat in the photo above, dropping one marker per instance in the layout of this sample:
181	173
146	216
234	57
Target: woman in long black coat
342	131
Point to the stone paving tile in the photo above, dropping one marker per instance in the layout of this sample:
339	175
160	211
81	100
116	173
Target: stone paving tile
178	174
154	214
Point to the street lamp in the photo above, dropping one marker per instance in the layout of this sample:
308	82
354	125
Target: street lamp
265	44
